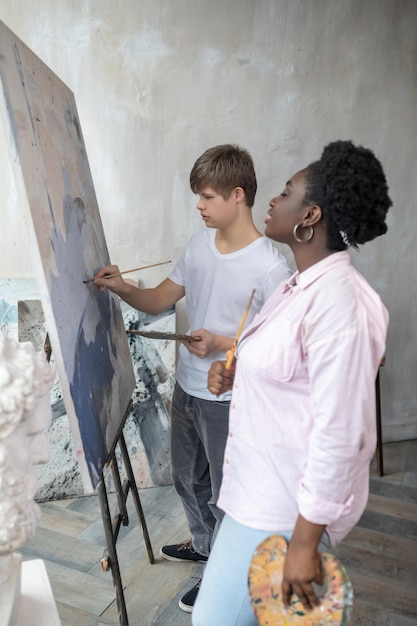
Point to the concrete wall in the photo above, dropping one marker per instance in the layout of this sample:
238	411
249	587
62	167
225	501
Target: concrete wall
159	81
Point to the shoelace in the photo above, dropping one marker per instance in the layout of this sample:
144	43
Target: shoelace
187	545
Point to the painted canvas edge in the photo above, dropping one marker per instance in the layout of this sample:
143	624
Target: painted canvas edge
40	279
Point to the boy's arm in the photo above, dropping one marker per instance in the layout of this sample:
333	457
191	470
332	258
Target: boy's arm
151	301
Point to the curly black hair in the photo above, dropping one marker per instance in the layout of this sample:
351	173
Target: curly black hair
349	185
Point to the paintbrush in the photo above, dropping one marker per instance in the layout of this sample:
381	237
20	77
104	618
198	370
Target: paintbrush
231	353
135	269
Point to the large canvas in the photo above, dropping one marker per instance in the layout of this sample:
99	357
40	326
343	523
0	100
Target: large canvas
53	177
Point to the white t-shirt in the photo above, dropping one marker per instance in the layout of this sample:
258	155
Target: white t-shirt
217	290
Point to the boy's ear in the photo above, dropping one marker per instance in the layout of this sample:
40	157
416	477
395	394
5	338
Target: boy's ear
239	194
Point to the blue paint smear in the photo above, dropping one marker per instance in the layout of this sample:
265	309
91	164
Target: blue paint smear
89	391
94	380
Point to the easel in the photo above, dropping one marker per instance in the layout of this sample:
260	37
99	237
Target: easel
111	525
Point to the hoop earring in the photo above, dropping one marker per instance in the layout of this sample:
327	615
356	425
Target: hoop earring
296	237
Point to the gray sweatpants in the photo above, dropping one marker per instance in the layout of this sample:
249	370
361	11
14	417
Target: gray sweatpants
199	431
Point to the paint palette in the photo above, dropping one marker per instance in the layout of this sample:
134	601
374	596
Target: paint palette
154	334
265	578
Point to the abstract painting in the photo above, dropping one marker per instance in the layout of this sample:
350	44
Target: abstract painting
54	181
147	427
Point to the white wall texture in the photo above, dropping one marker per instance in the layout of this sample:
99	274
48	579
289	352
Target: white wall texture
159	81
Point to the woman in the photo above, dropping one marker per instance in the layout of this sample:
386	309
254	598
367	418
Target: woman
302	416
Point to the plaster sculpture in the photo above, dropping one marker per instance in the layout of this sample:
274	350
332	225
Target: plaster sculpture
26	379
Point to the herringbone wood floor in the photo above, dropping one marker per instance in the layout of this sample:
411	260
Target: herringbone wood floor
380	555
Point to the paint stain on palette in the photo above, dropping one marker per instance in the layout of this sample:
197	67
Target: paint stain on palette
265	577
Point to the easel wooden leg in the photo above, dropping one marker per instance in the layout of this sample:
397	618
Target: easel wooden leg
112	526
110	560
135	496
113	561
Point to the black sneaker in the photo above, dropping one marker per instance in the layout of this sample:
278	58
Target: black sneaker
188	599
182	552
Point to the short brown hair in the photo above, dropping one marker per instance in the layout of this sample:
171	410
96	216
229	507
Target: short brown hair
223	168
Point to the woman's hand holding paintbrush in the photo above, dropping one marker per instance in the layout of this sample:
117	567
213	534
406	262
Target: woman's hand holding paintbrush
220	379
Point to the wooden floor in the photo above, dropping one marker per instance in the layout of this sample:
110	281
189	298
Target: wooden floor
380	555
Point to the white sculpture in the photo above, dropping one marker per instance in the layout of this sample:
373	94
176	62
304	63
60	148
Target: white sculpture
26	379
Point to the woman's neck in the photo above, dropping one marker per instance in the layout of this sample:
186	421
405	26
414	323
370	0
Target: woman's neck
305	258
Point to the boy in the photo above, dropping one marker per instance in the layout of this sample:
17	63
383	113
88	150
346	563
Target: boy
216	273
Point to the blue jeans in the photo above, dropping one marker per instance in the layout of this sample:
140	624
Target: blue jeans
199	431
223	598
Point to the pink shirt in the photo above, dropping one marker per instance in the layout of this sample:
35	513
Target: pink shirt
302	417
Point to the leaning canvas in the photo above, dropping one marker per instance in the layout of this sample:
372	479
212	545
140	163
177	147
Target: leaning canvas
54	181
